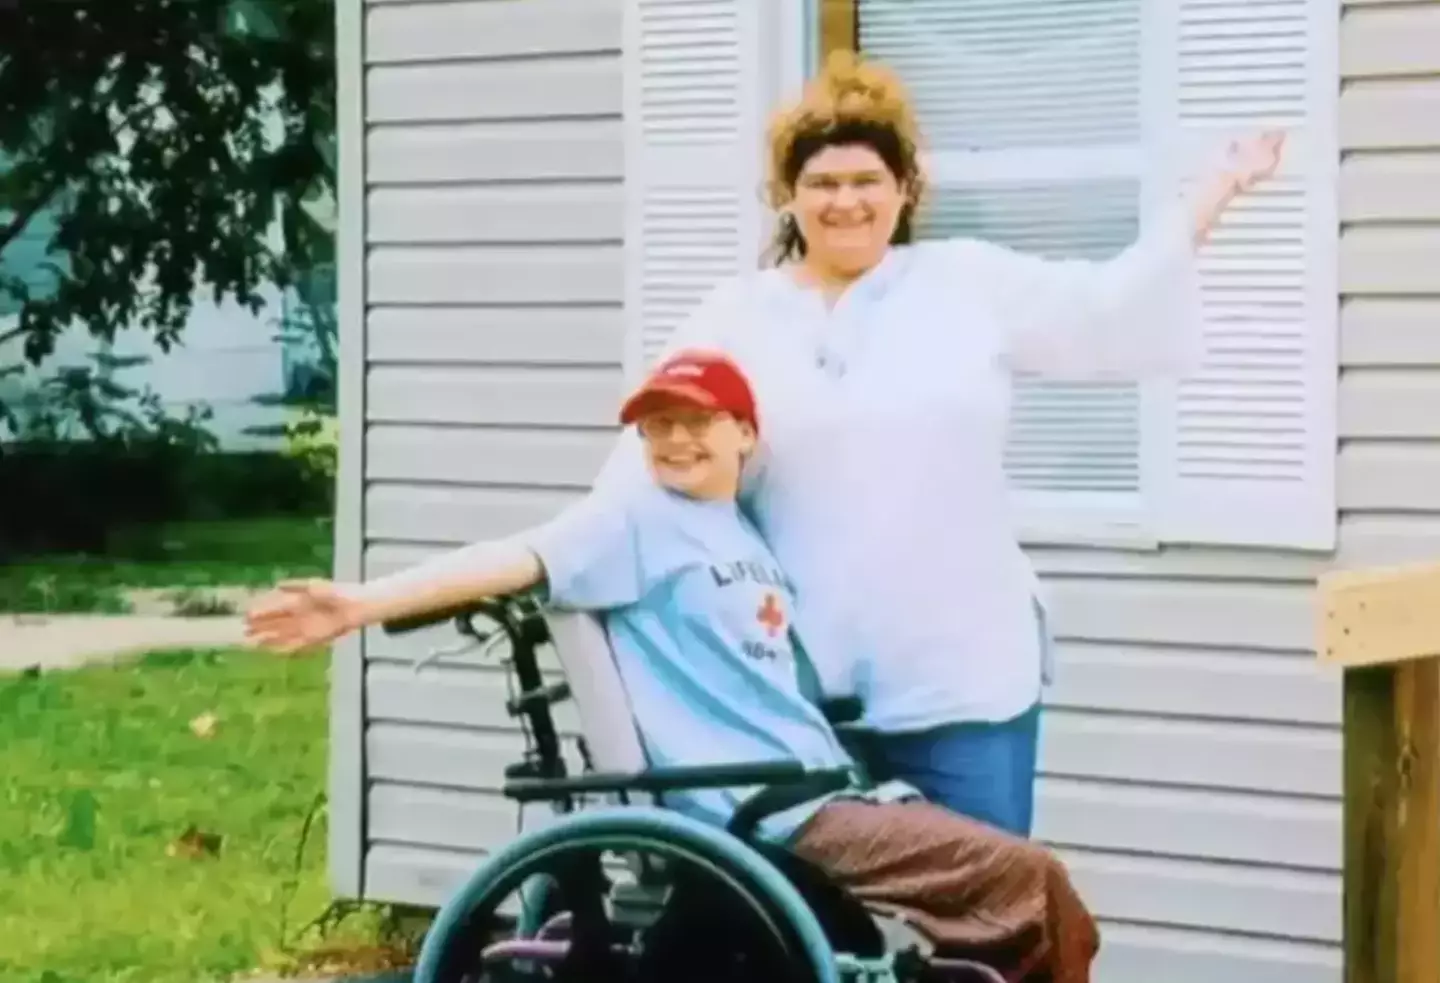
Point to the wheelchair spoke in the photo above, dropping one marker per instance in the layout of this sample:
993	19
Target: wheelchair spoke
607	912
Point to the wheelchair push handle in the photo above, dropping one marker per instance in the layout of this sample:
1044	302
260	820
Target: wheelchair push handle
516	619
493	609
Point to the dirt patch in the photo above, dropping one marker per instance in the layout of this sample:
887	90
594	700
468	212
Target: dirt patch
187	602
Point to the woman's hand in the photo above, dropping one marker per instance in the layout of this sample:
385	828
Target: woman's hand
302	614
1249	162
1253	160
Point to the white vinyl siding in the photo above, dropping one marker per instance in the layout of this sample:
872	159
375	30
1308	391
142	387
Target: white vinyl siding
482	219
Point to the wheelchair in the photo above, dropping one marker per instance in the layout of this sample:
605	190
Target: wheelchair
627	891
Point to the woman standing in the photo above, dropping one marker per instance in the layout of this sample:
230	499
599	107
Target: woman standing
884	372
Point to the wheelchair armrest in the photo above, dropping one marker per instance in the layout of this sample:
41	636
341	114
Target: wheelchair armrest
774	799
842	710
660	780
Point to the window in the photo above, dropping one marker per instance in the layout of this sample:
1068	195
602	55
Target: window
1057	127
1031	112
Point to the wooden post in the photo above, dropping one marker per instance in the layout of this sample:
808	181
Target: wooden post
839	27
1382	627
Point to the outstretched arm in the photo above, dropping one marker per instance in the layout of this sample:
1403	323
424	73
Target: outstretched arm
519	572
586	558
306	613
1131	316
299	615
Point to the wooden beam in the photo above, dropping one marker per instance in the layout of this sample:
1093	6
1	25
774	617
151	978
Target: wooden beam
1392	823
839	26
1383	628
1417	818
1380	616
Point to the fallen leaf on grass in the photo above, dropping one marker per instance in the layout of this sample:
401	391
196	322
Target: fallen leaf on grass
204	725
194	844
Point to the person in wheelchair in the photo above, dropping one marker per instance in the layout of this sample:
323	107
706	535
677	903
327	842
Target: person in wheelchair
702	624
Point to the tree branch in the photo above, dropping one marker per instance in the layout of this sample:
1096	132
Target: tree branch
22	217
50	189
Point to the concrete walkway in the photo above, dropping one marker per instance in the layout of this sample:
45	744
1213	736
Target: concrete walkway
64	641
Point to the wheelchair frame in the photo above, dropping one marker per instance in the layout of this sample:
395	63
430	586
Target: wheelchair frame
778	889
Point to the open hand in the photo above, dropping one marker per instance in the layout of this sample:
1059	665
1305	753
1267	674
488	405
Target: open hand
1254	159
301	614
1249	162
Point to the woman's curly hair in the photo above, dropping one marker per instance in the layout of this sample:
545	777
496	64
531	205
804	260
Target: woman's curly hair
851	101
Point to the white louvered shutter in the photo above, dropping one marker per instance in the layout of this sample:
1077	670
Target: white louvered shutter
694	103
1031	112
1252	457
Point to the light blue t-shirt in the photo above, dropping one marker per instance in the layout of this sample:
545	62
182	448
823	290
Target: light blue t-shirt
700	619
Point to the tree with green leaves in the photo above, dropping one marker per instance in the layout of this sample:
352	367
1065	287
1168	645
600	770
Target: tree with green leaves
150	149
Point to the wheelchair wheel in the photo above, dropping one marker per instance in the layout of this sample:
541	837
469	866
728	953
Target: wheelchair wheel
727	915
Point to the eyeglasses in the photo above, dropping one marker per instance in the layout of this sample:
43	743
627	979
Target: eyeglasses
865	185
654	426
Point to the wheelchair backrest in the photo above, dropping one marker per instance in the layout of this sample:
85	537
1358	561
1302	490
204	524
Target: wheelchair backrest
597	691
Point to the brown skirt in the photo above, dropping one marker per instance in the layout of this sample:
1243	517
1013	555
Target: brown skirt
970	888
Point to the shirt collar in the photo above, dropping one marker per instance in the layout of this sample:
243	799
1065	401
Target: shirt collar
871	287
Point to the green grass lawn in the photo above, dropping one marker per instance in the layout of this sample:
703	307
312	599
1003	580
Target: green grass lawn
104	775
238	552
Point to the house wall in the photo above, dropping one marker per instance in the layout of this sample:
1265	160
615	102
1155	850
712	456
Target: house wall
1191	752
227	357
492	230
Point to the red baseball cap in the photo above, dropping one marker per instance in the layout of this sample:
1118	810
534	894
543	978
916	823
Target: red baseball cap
704	380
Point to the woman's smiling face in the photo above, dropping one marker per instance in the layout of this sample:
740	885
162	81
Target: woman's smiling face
847	204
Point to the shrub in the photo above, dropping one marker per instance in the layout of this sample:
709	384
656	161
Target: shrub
73	497
88	455
312	440
60	595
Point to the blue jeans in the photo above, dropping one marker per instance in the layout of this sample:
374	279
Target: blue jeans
982	770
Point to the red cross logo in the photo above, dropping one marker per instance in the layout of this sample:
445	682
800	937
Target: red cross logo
771	615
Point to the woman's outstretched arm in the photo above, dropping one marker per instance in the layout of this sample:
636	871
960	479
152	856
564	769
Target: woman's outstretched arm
1132	316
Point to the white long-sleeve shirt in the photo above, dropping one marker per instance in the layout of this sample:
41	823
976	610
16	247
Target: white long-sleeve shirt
881	485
